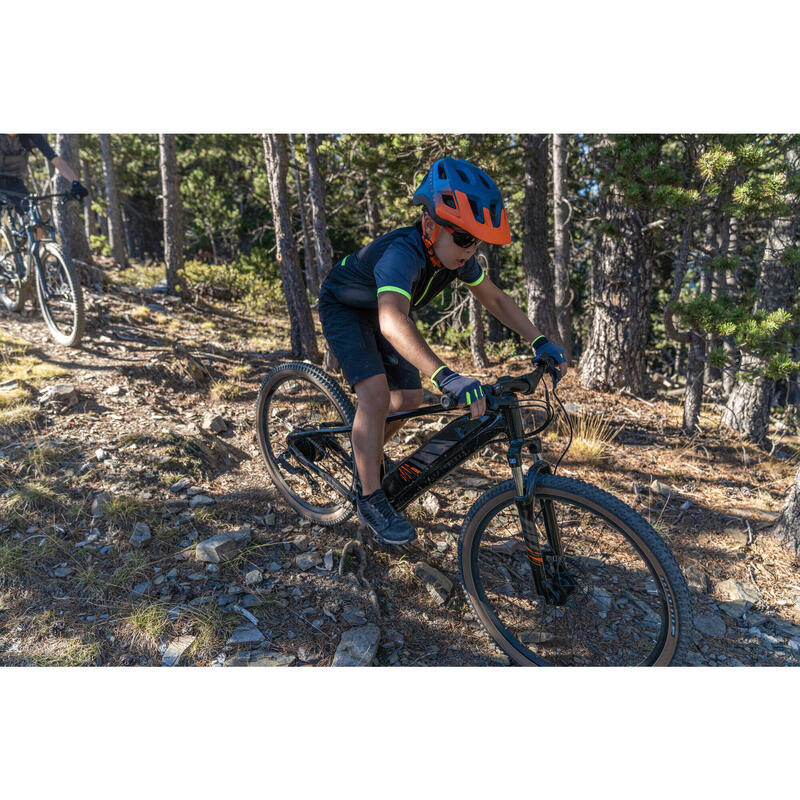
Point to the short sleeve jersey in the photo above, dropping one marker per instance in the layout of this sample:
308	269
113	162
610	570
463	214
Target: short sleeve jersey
395	262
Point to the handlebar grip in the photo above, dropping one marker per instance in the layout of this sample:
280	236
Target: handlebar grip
448	401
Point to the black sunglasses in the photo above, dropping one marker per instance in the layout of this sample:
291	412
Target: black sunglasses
462	239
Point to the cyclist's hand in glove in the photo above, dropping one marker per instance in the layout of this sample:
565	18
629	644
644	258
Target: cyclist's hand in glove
467	390
542	346
79	190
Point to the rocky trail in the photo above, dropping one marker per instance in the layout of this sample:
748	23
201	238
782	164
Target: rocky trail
139	526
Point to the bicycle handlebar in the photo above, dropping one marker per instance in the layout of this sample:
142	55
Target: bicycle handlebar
524	384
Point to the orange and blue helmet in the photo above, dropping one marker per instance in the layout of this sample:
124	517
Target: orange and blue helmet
457	193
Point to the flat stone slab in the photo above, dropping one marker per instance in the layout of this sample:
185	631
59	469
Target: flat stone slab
737	590
175	649
438	585
357	647
710	625
308	560
260	658
696	579
201	500
246	634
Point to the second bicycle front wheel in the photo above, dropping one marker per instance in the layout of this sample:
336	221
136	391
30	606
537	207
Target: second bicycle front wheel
60	296
12	283
626	601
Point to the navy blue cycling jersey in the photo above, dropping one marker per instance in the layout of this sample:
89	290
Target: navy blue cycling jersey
395	262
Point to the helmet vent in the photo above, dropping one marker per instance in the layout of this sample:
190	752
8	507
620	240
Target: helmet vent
473	205
484	181
448	200
441	170
463	175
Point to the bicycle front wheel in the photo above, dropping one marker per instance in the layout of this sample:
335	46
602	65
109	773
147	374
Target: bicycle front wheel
626	600
12	277
296	398
60	296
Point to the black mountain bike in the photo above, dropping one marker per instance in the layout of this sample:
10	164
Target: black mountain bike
30	255
557	571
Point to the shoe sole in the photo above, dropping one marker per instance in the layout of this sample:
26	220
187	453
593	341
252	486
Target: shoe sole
380	539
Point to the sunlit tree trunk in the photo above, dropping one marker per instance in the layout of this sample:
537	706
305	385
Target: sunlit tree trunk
309	258
561	252
476	336
171	210
303	340
73	235
115	235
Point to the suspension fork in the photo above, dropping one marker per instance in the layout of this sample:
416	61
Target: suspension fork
547	585
524	499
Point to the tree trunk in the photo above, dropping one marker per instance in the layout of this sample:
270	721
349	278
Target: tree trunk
112	203
563	293
372	211
693	396
730	246
303	340
171	210
476	340
787	527
621	286
89	214
496	328
68	215
309	258
322	243
748	407
535	264
316	189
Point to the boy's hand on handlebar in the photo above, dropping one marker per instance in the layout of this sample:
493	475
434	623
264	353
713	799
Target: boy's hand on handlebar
468	390
78	190
542	346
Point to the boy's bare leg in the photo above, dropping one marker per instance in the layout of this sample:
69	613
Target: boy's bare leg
368	429
401	400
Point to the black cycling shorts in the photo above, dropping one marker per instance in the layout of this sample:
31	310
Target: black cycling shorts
355	337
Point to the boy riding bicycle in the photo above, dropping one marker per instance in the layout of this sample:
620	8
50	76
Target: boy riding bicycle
364	308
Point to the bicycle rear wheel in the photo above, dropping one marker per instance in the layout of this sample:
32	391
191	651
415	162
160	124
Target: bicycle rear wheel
60	297
296	397
12	287
627	602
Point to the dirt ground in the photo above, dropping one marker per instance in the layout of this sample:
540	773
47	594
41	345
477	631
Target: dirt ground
75	591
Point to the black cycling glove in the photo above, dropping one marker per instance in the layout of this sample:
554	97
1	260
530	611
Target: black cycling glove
79	190
467	390
542	346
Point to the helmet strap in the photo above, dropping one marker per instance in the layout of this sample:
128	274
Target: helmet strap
430	242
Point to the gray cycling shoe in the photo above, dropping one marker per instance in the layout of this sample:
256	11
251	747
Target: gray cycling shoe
386	524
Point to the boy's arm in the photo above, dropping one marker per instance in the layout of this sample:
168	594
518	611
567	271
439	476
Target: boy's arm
402	333
500	305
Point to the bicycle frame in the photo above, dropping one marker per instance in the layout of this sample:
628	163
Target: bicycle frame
451	447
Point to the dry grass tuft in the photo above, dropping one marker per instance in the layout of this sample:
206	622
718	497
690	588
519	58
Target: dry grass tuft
227	390
592	436
140	314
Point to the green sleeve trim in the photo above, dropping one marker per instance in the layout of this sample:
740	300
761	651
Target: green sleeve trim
475	283
436	373
540	336
344	260
395	289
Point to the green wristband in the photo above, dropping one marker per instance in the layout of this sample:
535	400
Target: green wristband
433	377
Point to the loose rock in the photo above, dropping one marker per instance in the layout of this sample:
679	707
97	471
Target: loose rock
141	534
710	625
179	486
353	616
737	590
696	579
246	634
253	577
431	504
175	649
308	560
201	500
221	547
260	658
213	423
357	647
99	504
